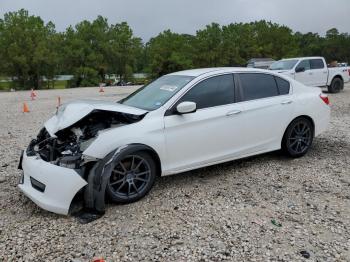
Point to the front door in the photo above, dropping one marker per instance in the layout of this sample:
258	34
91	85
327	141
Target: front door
306	77
210	134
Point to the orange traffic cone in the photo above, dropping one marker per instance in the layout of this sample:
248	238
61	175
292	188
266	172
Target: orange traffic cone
58	102
101	89
98	260
25	108
32	94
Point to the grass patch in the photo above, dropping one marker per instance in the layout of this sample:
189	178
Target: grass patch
5	86
4	78
59	84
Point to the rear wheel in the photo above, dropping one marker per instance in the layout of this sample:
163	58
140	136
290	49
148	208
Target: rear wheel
131	178
298	137
336	85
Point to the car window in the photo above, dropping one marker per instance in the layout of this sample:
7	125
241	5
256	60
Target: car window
305	64
283	65
255	86
283	85
316	64
215	91
157	93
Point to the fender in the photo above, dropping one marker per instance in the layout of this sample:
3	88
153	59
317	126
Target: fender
94	194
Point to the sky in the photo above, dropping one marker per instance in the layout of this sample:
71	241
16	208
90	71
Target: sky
147	18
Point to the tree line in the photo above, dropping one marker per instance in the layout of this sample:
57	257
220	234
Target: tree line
32	50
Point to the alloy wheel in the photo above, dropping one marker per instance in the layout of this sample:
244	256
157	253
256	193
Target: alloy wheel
300	138
130	177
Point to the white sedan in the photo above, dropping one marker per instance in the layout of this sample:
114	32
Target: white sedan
179	122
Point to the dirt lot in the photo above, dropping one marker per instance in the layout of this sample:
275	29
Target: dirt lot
216	213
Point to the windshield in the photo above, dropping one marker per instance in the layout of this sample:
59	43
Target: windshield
156	93
283	65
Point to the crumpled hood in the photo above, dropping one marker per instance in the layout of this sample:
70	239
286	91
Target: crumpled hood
70	113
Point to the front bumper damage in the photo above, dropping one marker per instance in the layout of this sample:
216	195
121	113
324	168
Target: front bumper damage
54	188
56	172
49	186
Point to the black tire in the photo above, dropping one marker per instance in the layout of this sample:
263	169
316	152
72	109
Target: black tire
336	85
298	137
132	178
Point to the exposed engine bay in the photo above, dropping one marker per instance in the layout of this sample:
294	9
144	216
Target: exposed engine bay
66	148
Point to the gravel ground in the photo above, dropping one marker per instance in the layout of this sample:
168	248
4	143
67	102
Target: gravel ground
222	212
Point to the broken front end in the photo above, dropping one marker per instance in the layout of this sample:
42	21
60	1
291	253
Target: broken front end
57	176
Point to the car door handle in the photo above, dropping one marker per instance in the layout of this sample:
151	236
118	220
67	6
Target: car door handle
310	73
287	102
234	112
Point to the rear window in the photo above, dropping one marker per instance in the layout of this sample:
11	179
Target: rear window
283	85
255	86
316	64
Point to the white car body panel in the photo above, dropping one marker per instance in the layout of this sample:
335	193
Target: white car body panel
61	184
309	104
194	129
182	142
151	134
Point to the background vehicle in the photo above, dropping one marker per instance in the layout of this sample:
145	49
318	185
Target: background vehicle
313	71
262	63
343	64
179	122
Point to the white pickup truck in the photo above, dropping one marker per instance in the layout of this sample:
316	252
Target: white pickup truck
313	71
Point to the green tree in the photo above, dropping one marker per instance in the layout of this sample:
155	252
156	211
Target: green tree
94	49
239	44
336	46
84	51
273	40
25	51
309	44
31	50
123	49
169	52
208	47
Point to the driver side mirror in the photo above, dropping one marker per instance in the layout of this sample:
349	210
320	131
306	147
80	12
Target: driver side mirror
186	107
300	69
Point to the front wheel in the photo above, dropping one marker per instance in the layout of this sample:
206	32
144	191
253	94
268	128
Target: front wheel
336	85
298	137
131	178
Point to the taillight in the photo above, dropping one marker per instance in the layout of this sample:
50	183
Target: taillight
324	98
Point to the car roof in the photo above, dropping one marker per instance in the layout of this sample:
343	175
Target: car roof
260	60
202	71
306	57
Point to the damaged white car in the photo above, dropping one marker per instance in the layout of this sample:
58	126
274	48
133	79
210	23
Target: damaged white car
181	121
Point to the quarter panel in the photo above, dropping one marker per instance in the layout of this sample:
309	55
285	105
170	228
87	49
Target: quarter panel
310	104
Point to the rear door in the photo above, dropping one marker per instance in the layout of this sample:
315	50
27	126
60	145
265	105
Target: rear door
319	72
267	109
